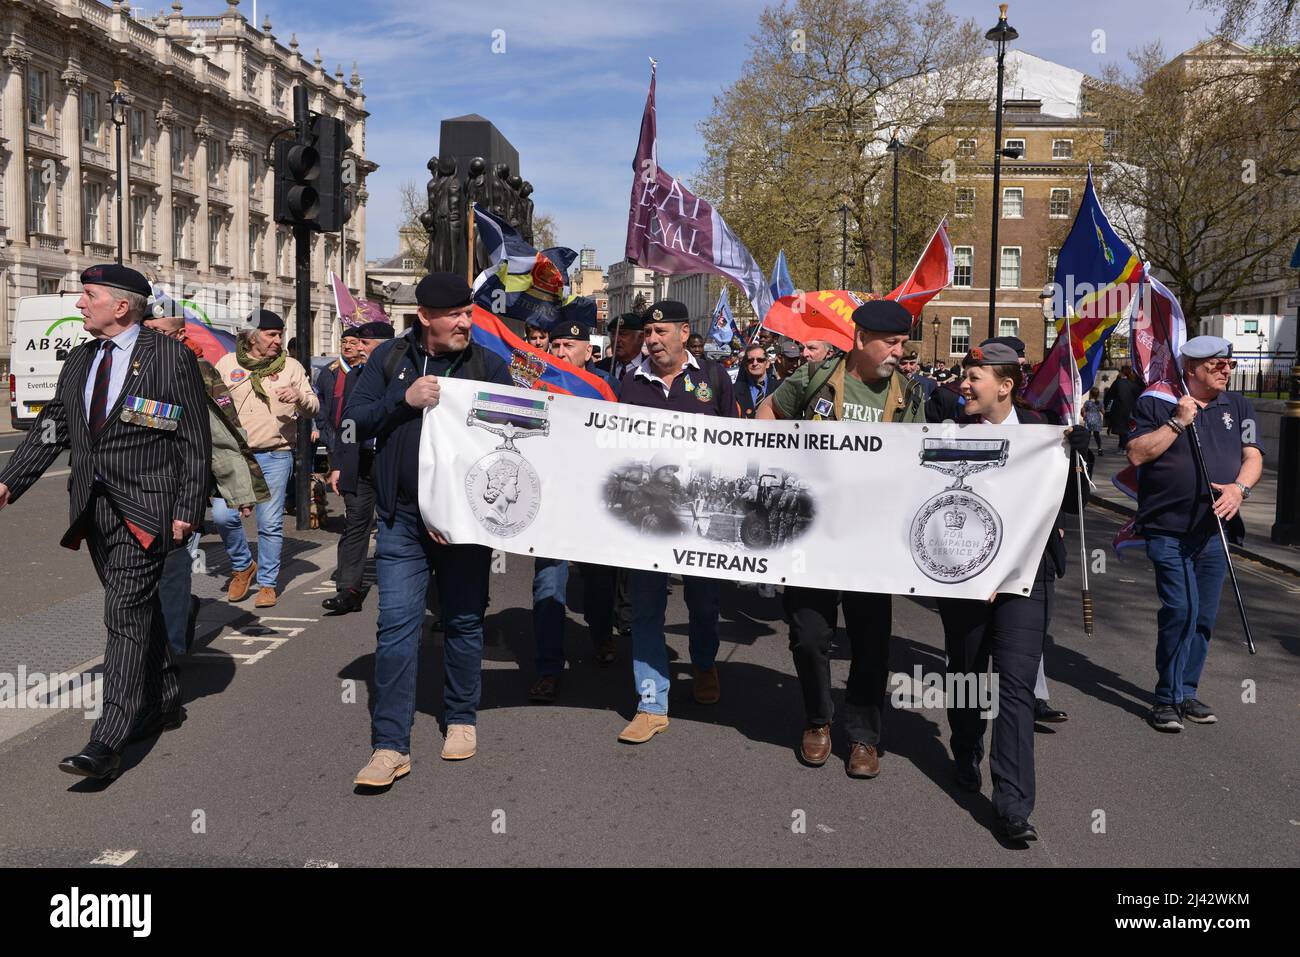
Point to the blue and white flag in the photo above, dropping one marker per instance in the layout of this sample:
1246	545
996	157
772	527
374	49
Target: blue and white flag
724	323
782	285
501	241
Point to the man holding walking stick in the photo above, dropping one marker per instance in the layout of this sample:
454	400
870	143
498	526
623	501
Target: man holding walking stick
1180	515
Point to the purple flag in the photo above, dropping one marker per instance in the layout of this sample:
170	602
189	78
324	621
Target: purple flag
673	231
355	312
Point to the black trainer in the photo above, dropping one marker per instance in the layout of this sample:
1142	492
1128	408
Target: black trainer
1197	711
1165	717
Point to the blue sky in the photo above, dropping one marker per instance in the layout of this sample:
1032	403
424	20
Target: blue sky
569	89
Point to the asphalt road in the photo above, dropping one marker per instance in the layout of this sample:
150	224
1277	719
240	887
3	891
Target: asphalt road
261	773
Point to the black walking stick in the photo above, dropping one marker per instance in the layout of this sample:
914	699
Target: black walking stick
1080	475
1223	537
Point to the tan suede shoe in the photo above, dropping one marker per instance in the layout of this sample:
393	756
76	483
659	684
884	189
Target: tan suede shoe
239	582
385	767
643	727
266	597
461	743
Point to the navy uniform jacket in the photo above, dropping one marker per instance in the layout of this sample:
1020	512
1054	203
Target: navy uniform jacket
346	456
152	476
326	383
378	407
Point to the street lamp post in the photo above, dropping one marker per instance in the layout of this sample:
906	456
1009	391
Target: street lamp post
844	245
1048	312
934	324
1259	375
118	103
1002	34
894	147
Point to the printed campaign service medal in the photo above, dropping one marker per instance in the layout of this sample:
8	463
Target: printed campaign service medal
503	489
956	534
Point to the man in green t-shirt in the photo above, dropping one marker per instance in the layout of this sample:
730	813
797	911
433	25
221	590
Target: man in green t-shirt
863	386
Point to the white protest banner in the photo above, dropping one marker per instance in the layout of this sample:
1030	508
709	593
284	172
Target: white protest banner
947	510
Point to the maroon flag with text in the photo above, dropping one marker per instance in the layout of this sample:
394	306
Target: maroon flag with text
673	231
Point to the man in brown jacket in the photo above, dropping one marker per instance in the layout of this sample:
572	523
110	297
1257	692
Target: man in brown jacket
271	392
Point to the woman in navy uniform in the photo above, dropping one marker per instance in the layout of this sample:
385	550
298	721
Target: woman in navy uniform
1010	629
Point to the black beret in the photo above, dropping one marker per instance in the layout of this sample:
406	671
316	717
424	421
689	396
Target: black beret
374	330
443	290
352	332
119	277
627	322
668	310
266	319
883	315
570	330
1014	343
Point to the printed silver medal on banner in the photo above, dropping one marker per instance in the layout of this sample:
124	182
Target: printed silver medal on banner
503	488
957	534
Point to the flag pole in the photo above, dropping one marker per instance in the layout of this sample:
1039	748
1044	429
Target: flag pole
469	261
1085	596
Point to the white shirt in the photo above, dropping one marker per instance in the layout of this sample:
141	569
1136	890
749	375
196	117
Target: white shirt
123	346
646	371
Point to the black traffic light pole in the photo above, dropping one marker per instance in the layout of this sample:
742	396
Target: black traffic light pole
304	453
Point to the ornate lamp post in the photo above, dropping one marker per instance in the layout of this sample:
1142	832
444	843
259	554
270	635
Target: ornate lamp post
1002	34
118	103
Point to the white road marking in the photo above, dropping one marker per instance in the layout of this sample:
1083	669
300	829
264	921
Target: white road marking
114	858
315	863
275	618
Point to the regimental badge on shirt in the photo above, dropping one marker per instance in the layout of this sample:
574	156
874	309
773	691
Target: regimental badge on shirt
238	375
703	392
150	413
1227	420
823	407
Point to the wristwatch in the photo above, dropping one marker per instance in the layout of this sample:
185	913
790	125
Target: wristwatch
1245	490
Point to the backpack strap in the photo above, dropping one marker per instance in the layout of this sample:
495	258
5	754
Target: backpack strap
395	357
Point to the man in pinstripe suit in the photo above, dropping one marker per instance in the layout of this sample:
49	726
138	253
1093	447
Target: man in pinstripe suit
130	406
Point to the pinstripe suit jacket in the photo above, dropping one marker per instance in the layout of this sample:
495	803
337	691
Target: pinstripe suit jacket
152	476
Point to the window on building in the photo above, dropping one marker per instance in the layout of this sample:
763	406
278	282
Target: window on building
280	95
138	135
1049	336
36	196
1250	327
216	161
1013	202
1062	149
38	97
966	149
410	264
140	222
180	149
965	200
1016	144
251	77
1060	204
1010	267
214	239
1110	140
281	251
254	234
1052	254
959	339
179	221
91	194
963	265
1008	327
90	117
48	285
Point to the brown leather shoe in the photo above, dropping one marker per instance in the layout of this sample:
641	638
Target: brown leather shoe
706	688
265	597
815	747
643	727
239	582
863	761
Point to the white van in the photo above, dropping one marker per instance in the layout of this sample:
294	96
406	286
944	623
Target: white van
46	330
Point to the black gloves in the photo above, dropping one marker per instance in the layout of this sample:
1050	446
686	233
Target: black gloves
1076	438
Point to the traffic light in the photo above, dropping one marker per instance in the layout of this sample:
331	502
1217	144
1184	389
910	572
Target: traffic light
336	171
297	173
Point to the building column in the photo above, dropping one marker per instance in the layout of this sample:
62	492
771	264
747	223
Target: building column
166	220
73	79
240	185
201	133
15	122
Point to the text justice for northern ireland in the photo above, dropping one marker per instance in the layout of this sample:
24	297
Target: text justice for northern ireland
739	438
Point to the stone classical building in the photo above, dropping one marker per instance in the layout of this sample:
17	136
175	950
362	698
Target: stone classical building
205	93
626	281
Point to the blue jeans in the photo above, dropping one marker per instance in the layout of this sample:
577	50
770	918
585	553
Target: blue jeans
1189	579
276	469
174	592
550	591
405	557
649	593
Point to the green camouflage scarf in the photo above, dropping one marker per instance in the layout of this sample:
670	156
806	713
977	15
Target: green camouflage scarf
259	368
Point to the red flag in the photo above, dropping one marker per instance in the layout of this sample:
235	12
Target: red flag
931	275
827	314
1158	333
